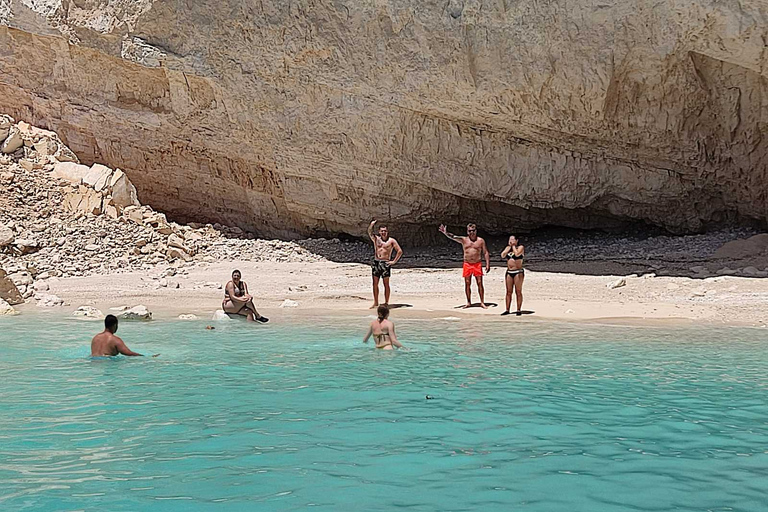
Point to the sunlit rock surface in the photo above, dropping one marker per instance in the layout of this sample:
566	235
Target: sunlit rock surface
313	117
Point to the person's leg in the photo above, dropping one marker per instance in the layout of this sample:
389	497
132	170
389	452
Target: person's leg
386	290
375	292
234	308
519	291
509	281
481	290
468	290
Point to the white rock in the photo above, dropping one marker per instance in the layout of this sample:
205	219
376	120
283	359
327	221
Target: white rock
46	300
88	312
139	312
6	236
288	303
616	284
122	190
649	276
187	317
6	309
70	171
41	286
220	316
569	311
12	142
97	177
21	278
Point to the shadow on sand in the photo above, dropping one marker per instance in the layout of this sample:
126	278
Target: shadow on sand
476	305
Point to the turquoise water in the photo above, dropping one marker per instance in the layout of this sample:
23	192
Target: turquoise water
540	417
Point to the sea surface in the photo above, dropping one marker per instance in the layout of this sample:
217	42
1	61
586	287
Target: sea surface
300	415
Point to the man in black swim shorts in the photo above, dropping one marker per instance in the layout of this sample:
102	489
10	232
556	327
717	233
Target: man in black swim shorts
382	261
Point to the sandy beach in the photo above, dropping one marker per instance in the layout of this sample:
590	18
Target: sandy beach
328	288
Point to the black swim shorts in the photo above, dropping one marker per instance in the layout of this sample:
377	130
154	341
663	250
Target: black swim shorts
380	269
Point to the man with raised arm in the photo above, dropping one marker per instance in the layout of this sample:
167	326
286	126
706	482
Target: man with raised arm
474	252
106	344
383	246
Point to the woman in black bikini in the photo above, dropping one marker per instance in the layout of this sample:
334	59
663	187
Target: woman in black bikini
514	254
238	301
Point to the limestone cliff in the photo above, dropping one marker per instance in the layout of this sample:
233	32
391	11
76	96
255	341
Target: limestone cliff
314	116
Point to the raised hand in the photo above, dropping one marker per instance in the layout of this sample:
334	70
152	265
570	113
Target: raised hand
442	229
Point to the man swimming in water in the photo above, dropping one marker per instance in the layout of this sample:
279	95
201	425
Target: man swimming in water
474	251
383	246
106	344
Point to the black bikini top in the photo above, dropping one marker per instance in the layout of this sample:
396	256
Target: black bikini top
511	256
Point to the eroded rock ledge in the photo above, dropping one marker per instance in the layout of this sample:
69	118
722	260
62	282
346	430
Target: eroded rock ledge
309	118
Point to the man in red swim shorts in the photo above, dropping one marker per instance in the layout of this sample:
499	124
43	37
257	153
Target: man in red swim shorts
474	252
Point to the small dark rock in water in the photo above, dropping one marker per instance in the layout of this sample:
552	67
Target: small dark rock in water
429	397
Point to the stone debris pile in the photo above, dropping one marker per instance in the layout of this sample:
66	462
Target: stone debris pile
60	218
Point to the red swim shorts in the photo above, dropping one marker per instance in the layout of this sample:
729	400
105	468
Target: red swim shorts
473	269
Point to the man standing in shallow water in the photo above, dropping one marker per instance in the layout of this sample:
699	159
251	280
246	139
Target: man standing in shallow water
106	344
383	246
474	251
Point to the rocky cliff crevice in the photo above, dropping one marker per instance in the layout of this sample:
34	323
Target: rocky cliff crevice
307	117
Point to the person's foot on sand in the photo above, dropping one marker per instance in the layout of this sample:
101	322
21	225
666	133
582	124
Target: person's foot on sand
375	305
482	305
518	313
505	313
465	306
262	319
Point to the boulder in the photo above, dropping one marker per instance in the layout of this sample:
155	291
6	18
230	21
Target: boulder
97	177
6	236
84	199
175	253
220	316
46	300
139	312
88	312
21	278
187	317
6	309
122	190
5	126
616	284
26	246
746	248
12	142
8	290
70	171
133	213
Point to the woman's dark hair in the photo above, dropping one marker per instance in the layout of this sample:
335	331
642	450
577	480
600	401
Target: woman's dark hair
383	312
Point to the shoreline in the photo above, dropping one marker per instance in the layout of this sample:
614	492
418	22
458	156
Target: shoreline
328	289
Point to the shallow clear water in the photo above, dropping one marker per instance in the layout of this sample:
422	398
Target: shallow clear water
542	417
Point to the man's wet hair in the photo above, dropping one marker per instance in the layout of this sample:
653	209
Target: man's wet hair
383	226
237	272
472	225
110	322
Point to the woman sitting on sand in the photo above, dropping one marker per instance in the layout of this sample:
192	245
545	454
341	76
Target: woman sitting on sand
383	331
238	301
514	254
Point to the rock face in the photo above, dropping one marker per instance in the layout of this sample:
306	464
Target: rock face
313	117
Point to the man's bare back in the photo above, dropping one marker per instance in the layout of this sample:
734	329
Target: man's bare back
106	344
